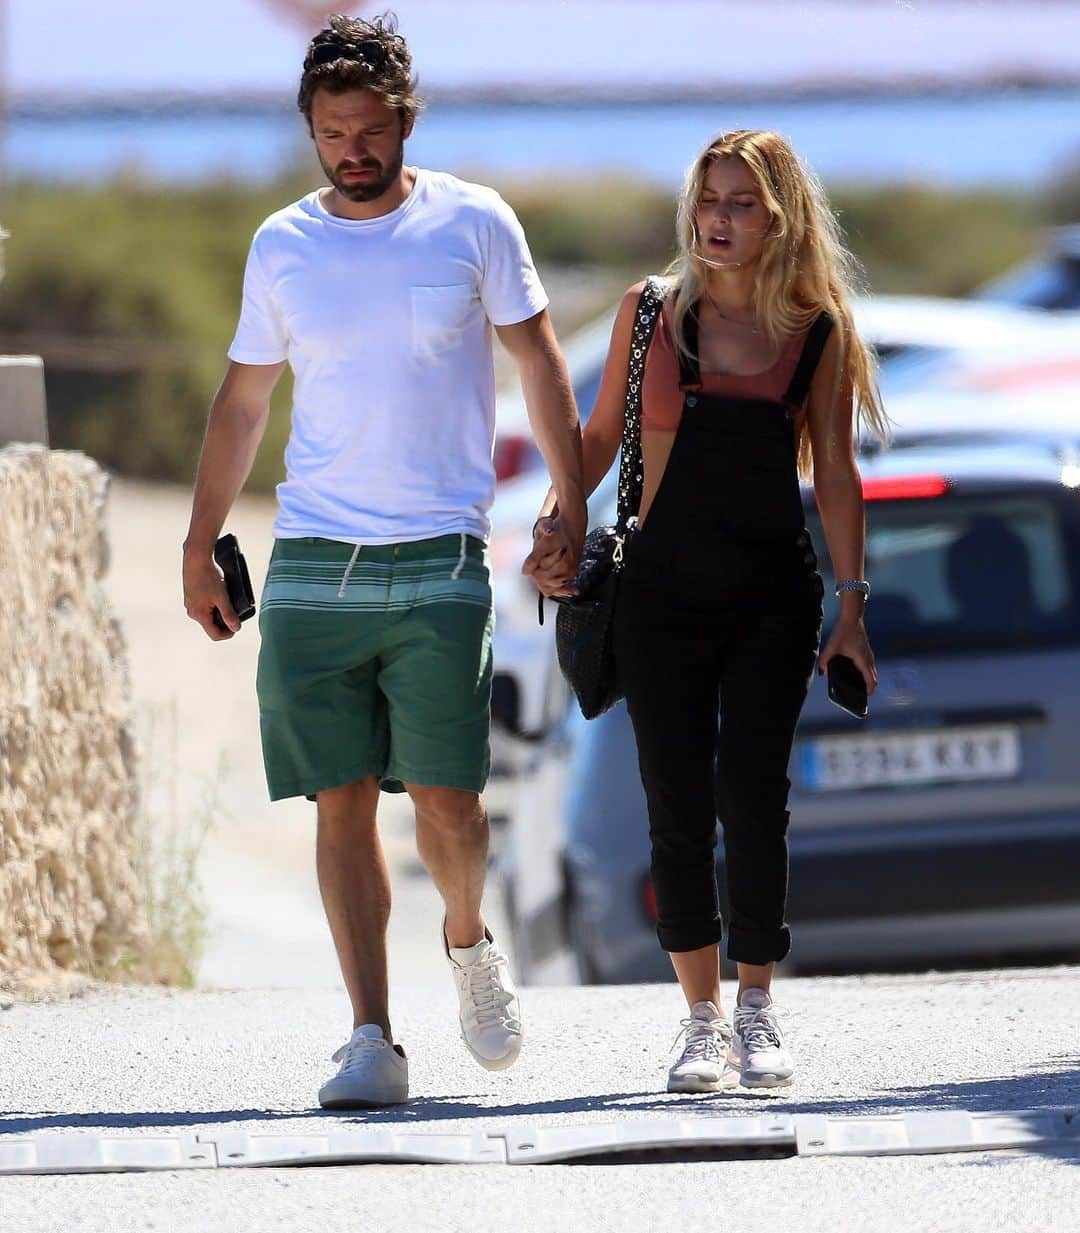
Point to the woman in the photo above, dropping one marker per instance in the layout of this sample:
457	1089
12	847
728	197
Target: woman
753	376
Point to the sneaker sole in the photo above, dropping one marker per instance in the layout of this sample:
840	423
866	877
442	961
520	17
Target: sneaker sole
765	1081
501	1063
724	1084
361	1102
347	1103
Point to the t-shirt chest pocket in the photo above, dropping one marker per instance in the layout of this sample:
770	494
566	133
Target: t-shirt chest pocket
439	315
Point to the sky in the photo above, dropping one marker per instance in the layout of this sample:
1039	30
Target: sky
113	47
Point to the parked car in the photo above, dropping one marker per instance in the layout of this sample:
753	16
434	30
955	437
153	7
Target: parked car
1051	280
947	824
1033	387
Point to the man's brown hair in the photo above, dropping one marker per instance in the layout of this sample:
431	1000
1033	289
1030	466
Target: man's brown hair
373	57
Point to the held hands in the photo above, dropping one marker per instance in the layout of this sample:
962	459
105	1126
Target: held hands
849	638
204	590
553	562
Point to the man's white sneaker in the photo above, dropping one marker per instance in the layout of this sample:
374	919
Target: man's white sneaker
490	1013
758	1045
705	1065
372	1072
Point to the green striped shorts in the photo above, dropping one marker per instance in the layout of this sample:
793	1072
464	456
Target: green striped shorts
375	661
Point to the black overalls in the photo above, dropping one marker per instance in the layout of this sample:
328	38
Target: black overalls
719	612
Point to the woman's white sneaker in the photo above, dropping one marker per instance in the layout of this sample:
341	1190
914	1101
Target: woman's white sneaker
373	1072
489	1010
705	1064
758	1044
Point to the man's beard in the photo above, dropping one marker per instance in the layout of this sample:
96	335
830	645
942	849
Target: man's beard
368	190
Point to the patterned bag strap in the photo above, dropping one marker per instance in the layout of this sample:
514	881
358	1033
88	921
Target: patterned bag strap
631	471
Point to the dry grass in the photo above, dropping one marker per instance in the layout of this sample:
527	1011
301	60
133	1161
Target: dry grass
168	844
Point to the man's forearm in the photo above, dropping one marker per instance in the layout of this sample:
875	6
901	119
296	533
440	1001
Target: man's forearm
549	398
232	439
597	456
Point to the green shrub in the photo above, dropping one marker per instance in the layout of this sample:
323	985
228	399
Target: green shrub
912	239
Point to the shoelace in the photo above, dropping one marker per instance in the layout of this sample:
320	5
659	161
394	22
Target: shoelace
759	1028
704	1039
488	998
354	1051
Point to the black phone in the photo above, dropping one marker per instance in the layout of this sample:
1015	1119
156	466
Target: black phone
847	689
237	579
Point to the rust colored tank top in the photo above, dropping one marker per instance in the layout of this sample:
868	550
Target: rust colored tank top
662	400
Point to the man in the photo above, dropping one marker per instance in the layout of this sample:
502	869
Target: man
375	667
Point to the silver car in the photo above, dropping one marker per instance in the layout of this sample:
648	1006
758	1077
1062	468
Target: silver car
946	826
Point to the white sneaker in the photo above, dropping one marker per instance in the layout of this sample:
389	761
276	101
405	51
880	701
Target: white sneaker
372	1072
758	1046
490	1013
705	1064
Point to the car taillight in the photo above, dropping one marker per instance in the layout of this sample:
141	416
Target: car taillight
904	487
648	899
510	455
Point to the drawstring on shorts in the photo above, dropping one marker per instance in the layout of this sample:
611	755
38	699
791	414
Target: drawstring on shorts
460	561
348	571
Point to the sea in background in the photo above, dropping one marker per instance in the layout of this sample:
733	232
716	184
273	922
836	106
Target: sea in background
1017	139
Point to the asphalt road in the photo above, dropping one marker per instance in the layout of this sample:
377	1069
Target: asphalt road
144	1061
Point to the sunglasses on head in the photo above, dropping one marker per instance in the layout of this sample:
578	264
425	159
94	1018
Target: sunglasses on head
369	52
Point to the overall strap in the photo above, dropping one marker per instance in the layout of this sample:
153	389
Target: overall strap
816	338
690	365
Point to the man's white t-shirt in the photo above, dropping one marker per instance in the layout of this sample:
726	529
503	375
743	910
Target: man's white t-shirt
386	323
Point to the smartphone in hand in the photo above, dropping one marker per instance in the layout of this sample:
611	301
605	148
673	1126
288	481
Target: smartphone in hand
847	689
237	580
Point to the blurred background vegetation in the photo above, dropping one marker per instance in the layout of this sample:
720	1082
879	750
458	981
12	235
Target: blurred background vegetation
133	319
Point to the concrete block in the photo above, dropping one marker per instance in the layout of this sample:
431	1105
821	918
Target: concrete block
22	400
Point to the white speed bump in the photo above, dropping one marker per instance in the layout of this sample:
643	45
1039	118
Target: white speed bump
95	1153
552	1144
919	1133
659	1138
366	1145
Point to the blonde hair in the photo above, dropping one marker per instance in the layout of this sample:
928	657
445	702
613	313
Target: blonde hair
804	266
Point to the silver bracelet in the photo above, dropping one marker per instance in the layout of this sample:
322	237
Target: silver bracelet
854	584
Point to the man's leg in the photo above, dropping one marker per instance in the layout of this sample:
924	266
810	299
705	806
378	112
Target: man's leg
435	673
355	886
452	839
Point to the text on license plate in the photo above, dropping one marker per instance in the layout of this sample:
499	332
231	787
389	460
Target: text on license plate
949	755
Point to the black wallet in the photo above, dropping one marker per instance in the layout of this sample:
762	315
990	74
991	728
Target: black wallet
237	579
847	689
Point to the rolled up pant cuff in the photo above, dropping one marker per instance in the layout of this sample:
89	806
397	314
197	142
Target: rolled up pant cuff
758	946
680	938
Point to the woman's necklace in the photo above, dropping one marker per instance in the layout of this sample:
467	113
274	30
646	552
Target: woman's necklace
749	325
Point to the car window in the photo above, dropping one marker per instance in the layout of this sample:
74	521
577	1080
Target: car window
962	574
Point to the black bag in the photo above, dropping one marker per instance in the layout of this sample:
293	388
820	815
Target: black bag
585	623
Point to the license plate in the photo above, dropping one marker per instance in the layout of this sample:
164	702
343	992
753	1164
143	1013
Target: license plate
951	755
